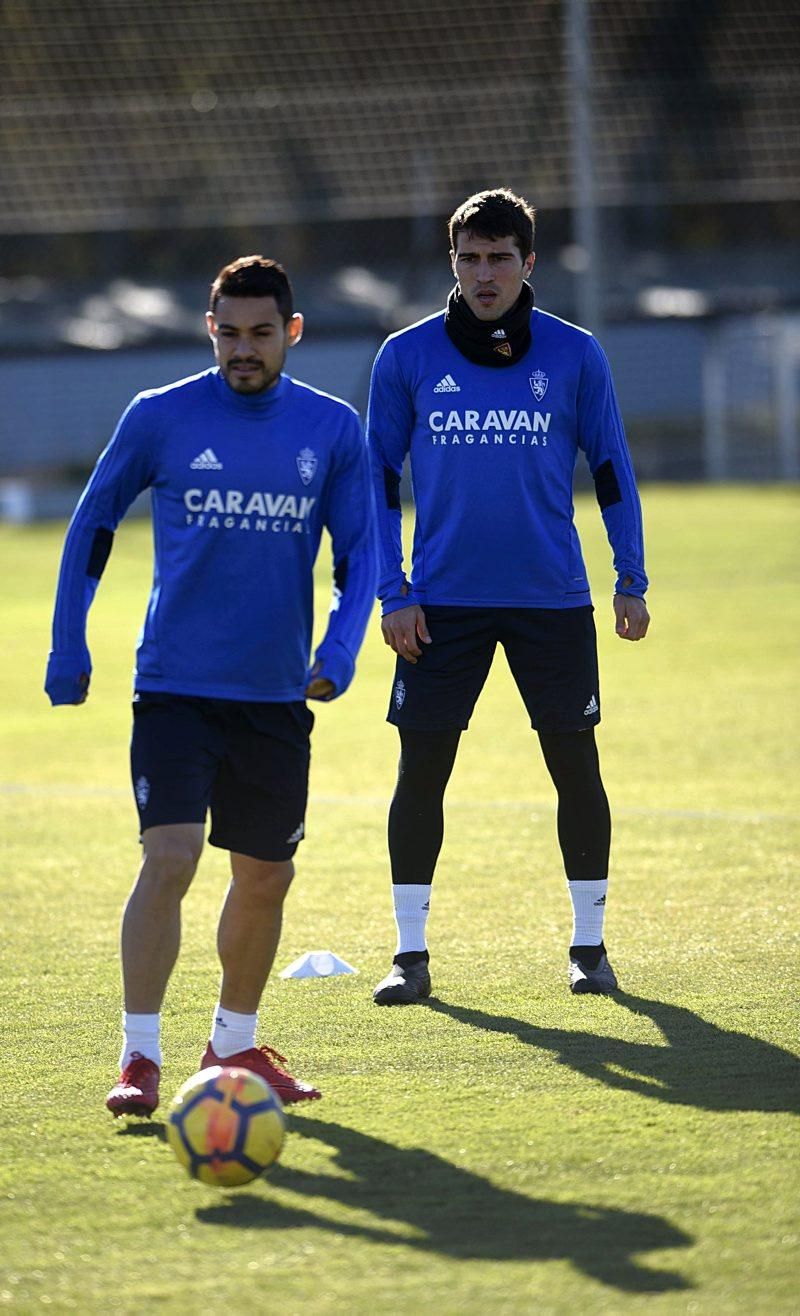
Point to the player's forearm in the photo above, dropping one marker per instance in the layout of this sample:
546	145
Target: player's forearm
623	522
358	597
69	663
86	550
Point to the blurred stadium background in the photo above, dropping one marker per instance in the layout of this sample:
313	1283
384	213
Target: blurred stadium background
144	145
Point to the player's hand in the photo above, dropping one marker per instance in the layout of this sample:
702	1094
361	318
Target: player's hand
65	691
632	617
404	630
319	687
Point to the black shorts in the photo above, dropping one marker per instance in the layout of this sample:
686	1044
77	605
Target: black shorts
248	762
552	654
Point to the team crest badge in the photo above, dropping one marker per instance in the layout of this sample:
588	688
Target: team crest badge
306	465
400	694
538	382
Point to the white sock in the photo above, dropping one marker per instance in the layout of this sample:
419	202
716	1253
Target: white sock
411	906
141	1036
232	1032
588	911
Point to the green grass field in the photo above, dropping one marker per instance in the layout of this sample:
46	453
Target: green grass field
508	1147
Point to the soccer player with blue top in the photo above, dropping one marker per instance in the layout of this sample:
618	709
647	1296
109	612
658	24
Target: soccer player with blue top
246	466
492	399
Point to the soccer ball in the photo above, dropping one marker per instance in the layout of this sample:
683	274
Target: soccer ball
226	1126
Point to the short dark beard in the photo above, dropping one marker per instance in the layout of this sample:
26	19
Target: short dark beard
271	381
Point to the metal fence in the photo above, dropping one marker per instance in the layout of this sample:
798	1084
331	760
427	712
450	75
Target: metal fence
170	113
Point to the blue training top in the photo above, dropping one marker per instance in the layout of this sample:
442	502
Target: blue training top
493	453
241	489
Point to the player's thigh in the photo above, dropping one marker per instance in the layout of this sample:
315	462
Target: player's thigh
439	691
176	749
258	804
552	654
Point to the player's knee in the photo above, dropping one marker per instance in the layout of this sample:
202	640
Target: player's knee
571	759
426	760
263	881
170	858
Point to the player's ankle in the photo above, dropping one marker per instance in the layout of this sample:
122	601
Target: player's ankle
408	957
590	956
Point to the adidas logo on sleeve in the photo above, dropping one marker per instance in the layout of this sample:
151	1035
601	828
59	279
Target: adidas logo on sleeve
206	460
447	385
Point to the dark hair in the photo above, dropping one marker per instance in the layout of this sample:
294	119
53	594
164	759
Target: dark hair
254	276
496	214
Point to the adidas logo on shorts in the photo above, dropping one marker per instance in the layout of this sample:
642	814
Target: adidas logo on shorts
591	707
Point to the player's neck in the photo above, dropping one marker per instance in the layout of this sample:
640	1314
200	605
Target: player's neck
494	343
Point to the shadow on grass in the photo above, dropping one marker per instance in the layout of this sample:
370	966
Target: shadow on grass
701	1065
450	1211
142	1129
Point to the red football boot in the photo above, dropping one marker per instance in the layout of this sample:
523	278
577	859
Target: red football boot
262	1060
136	1089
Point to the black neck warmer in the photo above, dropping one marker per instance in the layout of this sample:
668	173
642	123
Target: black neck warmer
500	342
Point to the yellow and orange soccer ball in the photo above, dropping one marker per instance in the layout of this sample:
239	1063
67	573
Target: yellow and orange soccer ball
226	1126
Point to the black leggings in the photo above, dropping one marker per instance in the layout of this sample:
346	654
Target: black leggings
416	815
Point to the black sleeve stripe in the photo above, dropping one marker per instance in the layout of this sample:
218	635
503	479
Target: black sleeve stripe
606	486
340	574
391	484
101	547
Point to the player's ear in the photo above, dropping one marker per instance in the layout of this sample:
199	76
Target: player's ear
211	325
527	268
453	263
294	330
